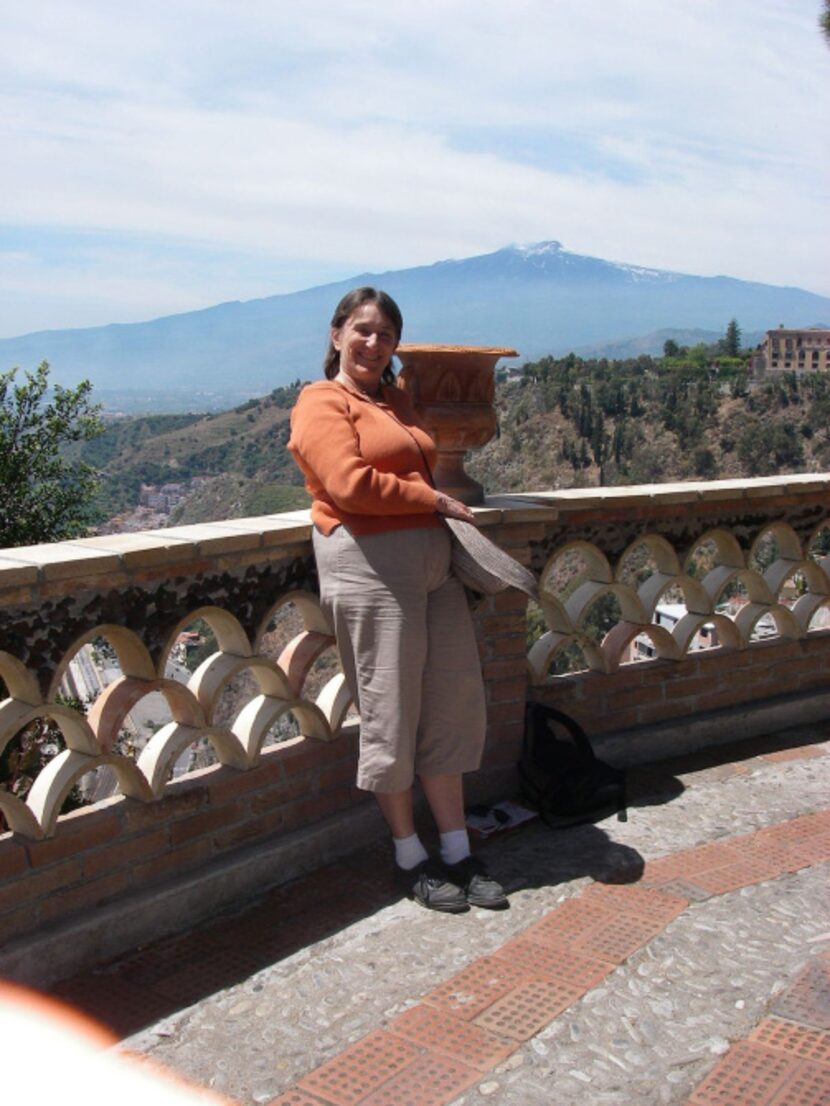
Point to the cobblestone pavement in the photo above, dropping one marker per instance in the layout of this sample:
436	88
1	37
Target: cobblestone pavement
685	952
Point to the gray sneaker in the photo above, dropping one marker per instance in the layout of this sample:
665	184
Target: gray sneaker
478	886
431	885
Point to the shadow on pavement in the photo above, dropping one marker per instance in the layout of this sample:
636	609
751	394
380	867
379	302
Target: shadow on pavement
149	984
145	986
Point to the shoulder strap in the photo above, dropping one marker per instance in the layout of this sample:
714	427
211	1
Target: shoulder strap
388	411
539	714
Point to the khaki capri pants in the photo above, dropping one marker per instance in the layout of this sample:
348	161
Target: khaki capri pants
408	651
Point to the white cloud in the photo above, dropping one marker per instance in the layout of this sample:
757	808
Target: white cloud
358	136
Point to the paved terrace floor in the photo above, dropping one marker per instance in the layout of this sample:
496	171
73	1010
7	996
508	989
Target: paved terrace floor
682	956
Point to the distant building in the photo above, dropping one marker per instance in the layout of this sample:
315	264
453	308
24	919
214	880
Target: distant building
162	498
799	351
186	643
668	615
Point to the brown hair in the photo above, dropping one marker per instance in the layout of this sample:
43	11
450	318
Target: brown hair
350	303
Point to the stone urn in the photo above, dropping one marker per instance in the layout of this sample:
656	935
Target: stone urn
453	390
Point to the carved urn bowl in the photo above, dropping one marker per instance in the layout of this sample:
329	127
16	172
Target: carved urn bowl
453	390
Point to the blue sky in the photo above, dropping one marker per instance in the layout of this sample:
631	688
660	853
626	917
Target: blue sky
170	155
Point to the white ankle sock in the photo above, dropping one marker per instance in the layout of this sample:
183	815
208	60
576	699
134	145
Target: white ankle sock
455	846
409	852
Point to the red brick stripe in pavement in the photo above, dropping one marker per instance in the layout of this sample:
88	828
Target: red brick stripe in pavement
468	1025
784	1062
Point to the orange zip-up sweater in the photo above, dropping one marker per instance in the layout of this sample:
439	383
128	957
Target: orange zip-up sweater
360	459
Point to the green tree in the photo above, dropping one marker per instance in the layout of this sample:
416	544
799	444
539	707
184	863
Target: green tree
765	448
46	495
731	343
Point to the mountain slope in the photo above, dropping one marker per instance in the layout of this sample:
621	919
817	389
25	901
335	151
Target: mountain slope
247	443
564	422
540	300
573	423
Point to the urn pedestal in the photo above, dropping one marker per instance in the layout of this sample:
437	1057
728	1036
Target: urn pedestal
453	390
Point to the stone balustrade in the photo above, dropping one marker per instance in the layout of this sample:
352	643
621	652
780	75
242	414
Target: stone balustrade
267	803
748	565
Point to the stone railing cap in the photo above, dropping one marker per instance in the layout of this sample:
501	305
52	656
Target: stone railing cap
691	491
27	565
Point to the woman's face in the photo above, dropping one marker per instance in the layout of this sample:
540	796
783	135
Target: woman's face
365	342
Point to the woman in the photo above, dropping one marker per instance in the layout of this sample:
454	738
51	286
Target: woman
403	627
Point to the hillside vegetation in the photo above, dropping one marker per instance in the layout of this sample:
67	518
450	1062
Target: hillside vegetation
564	422
574	423
244	447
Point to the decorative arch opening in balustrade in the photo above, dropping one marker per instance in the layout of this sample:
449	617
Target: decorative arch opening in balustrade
296	635
812	607
660	600
113	721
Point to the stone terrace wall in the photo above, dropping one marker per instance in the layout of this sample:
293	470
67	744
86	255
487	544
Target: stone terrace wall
166	851
694	542
270	812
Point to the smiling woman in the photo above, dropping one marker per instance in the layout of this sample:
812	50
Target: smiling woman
365	332
365	342
404	631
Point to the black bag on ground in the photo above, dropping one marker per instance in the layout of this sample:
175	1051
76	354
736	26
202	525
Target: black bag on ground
561	774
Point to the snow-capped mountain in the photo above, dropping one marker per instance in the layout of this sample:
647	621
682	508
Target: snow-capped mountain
538	298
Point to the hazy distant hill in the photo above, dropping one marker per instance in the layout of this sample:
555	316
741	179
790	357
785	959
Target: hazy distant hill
539	299
653	343
247	442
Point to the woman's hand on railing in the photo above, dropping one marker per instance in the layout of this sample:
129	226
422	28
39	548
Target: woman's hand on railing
454	508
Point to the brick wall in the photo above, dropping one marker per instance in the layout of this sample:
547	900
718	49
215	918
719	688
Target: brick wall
54	870
661	691
122	846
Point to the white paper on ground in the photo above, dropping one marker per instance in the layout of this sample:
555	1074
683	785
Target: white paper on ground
498	818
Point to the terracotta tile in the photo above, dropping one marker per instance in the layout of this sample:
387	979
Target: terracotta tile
437	1030
158	961
215	973
562	965
797	1040
528	1008
799	828
733	876
808	1085
475	987
114	1002
686	889
645	902
617	939
813	849
690	862
569	920
432	1080
778	834
778	856
748	1075
265	944
808	999
296	1097
348	1078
